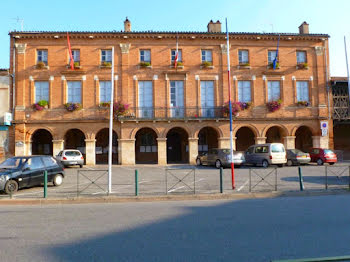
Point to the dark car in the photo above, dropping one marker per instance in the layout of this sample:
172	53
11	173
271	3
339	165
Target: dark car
297	157
27	171
321	155
220	157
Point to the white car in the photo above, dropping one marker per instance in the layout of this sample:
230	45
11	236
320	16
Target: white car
71	157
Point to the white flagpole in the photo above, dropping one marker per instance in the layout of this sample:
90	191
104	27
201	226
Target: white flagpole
347	69
110	149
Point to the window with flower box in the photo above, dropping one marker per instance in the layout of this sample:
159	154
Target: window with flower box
41	91
207	56
145	56
41	56
173	54
301	57
243	57
105	91
271	56
274	90
106	56
74	91
244	91
302	91
76	57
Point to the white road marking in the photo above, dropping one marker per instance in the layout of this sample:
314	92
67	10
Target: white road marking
241	187
172	190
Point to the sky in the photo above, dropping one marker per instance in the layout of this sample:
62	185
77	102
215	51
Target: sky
277	16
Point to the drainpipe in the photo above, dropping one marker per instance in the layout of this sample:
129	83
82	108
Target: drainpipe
327	86
13	79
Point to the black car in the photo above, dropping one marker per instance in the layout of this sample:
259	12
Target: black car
27	171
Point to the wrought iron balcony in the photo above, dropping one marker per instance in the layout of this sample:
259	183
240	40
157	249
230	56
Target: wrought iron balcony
151	113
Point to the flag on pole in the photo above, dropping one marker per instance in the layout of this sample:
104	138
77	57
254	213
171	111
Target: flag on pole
71	63
275	61
177	51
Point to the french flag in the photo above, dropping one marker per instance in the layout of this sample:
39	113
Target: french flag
71	63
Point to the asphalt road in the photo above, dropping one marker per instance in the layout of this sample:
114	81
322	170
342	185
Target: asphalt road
185	179
240	230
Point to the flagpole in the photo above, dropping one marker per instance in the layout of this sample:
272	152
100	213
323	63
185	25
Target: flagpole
110	149
230	107
347	69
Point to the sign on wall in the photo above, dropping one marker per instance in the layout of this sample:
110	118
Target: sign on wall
324	128
7	119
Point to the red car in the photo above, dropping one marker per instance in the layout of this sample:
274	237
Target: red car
320	156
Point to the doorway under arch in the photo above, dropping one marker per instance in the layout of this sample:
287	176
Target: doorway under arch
75	139
42	142
245	137
275	134
177	146
303	138
207	139
146	146
102	147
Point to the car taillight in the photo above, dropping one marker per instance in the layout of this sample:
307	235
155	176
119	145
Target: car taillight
64	158
270	157
82	157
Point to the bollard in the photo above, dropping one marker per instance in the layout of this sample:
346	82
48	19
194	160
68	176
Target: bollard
221	186
326	180
301	181
136	183
45	184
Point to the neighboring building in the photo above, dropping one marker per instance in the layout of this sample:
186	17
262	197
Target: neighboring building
173	113
4	111
341	116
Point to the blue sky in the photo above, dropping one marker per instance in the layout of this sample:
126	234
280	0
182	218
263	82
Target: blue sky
324	16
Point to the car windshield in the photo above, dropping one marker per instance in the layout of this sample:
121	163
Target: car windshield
327	151
13	162
296	151
72	153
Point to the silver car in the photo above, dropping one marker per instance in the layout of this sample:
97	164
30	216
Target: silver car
71	157
220	157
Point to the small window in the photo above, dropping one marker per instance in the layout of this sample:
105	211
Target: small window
34	163
301	57
173	54
273	92
41	56
271	56
76	56
72	153
145	56
302	91
207	56
41	91
106	56
243	57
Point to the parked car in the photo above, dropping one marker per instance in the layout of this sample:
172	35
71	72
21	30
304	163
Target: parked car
27	171
71	157
320	156
220	157
266	154
297	157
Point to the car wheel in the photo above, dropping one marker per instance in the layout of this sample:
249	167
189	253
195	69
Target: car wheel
198	162
58	180
265	164
319	162
81	166
11	187
332	164
289	162
218	163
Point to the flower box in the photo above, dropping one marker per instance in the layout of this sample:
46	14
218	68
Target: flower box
236	107
302	66
207	65
41	105
106	65
41	65
104	105
270	65
244	105
243	66
303	103
145	65
120	109
179	65
272	106
72	106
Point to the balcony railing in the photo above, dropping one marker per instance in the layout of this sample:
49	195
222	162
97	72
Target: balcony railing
173	113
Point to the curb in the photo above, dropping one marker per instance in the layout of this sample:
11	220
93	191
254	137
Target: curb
116	199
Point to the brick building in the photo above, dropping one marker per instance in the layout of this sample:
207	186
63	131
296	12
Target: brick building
173	113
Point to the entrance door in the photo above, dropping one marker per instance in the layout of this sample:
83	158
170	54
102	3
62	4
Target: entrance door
207	98
174	151
177	98
145	99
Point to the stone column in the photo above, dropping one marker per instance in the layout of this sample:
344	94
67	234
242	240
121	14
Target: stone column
162	159
320	141
90	145
224	142
20	144
260	140
289	142
57	145
28	148
192	150
127	151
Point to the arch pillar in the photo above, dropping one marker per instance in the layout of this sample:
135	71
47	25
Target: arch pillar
193	150
90	145
126	151
28	148
224	142
320	141
289	142
260	140
58	145
162	152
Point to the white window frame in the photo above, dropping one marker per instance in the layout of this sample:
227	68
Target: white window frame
41	56
145	55
273	90
207	102
74	91
179	57
105	91
300	59
243	56
244	91
302	91
145	99
42	89
271	56
177	98
106	55
207	55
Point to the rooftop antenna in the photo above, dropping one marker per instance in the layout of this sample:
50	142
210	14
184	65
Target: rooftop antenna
19	20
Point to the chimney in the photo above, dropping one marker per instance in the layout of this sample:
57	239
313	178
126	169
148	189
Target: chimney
127	25
304	28
214	27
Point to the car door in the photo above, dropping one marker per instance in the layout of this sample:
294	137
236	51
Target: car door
51	166
36	170
249	155
212	156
